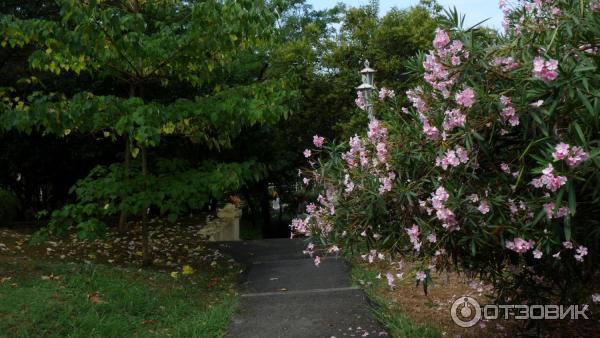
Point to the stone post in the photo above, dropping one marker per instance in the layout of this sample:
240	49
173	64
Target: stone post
230	215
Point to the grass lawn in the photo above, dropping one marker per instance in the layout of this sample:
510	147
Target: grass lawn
88	300
72	288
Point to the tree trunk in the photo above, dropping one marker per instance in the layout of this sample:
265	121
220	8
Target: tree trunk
147	252
123	227
265	208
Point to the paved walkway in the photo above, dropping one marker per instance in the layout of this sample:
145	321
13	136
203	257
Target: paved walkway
285	295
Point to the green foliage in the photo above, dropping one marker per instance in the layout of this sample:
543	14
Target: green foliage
174	189
9	206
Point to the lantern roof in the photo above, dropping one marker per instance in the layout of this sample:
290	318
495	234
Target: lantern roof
367	68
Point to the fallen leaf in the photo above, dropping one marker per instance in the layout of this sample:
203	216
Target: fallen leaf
187	270
51	277
94	298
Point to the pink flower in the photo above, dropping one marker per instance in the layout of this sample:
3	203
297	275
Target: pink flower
561	151
505	168
311	208
376	132
581	252
432	238
549	180
576	156
441	39
390	279
301	226
545	70
537	254
520	245
307	153
596	296
549	209
348	183
386	185
455	60
360	101
452	158
318	141
454	118
334	249
421	276
508	112
466	98
483	208
568	245
306	181
317	261
507	64
413	234
384	93
562	212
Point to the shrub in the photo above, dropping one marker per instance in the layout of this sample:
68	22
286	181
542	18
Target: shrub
494	167
9	207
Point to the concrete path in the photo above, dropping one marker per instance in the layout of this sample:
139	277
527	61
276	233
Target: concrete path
285	295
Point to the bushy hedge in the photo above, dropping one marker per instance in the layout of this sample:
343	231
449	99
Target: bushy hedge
9	207
492	169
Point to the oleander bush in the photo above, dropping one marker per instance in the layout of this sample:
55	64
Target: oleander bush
492	168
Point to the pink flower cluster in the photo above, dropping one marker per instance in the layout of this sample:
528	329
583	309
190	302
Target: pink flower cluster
466	97
452	119
545	70
300	225
349	185
595	5
386	182
572	155
385	93
361	101
520	245
413	235
437	73
372	255
508	113
443	214
356	150
549	180
373	161
506	64
483	207
580	252
452	158
552	212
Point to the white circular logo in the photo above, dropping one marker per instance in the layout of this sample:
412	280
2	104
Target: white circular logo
465	312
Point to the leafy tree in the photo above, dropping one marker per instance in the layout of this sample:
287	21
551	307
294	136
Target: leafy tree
150	51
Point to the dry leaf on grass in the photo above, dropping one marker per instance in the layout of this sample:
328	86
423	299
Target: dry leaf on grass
94	298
